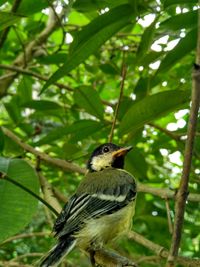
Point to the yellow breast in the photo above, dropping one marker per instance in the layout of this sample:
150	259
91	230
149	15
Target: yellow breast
98	232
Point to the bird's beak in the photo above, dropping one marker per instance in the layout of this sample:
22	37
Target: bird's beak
121	152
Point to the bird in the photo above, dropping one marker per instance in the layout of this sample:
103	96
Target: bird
100	210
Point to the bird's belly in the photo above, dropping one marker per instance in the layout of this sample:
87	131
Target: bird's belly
98	232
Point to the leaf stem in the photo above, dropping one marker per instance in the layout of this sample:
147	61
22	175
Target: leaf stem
123	76
31	193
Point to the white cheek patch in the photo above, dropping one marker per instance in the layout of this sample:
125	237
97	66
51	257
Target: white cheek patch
101	162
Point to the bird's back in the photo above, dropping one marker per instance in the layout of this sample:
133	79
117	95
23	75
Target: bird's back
100	230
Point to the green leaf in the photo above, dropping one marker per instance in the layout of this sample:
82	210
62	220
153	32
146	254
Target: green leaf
24	89
16	205
58	58
146	41
168	3
29	7
91	37
7	19
183	48
13	110
136	164
85	129
41	105
151	57
180	21
71	151
109	69
88	99
89	5
151	108
81	129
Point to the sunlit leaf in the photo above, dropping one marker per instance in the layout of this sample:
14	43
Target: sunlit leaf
185	45
146	41
152	107
168	3
89	100
180	21
92	36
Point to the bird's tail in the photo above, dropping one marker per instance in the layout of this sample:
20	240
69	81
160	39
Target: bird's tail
55	255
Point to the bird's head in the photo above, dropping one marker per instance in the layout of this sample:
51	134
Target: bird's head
107	155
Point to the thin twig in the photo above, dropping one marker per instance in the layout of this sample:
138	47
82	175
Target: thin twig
40	77
34	74
170	225
14	264
172	135
60	23
27	235
35	254
123	76
183	188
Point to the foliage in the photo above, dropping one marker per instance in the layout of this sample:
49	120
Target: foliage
82	46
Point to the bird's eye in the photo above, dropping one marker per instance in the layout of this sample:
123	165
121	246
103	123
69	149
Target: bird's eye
106	149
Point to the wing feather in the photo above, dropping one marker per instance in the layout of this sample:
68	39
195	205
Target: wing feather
81	208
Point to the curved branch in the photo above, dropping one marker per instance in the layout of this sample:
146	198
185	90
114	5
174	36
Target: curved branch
33	74
57	162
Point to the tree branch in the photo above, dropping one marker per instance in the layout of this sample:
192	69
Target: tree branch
161	251
33	74
165	193
183	188
68	166
111	259
19	70
52	24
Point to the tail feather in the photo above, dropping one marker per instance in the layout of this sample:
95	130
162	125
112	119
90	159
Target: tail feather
55	255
